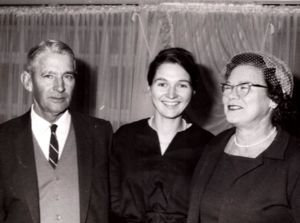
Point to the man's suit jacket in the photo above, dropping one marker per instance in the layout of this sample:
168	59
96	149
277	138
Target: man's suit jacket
19	194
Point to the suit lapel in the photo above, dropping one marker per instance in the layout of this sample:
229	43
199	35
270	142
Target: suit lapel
23	145
84	153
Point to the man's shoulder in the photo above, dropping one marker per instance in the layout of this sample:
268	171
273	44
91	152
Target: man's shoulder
83	120
15	123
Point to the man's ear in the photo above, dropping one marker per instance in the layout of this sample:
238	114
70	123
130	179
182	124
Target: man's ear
26	80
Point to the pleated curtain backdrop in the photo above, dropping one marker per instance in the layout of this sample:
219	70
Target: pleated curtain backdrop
114	45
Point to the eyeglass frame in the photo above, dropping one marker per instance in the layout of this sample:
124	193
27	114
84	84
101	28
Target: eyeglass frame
232	87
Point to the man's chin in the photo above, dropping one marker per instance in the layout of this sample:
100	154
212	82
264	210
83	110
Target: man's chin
56	111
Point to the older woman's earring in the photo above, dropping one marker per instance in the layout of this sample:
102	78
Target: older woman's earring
273	105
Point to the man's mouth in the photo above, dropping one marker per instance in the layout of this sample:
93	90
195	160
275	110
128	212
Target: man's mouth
58	99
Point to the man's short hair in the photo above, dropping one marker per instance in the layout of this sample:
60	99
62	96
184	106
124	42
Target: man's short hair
53	46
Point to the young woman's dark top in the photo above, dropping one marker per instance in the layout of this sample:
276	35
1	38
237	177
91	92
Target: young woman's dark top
147	186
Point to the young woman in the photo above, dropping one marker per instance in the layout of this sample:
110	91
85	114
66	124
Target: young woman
153	159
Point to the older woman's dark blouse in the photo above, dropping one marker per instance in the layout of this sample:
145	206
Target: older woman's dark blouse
147	186
262	190
227	171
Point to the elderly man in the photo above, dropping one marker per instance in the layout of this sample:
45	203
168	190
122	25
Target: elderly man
53	161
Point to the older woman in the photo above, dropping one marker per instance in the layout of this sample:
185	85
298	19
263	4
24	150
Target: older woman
153	159
250	173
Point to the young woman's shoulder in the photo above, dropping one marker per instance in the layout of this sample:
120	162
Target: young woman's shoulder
132	128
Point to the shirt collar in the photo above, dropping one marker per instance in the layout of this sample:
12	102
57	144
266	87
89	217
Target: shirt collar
185	125
276	150
40	124
278	146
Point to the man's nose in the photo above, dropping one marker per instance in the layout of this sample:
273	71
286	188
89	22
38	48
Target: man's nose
59	84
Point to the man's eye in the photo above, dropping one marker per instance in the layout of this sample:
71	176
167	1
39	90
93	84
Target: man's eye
69	76
47	76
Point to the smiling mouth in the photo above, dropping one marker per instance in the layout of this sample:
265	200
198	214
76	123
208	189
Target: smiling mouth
170	103
234	107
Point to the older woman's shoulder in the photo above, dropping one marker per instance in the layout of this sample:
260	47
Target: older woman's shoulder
293	146
199	130
223	136
290	147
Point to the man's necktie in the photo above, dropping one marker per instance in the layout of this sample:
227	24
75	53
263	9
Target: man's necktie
53	149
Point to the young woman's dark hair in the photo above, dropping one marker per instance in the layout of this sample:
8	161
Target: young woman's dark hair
174	55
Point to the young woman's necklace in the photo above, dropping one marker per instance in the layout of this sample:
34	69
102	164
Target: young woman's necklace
254	144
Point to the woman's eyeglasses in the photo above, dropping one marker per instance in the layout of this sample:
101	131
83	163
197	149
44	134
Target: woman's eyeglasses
241	89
